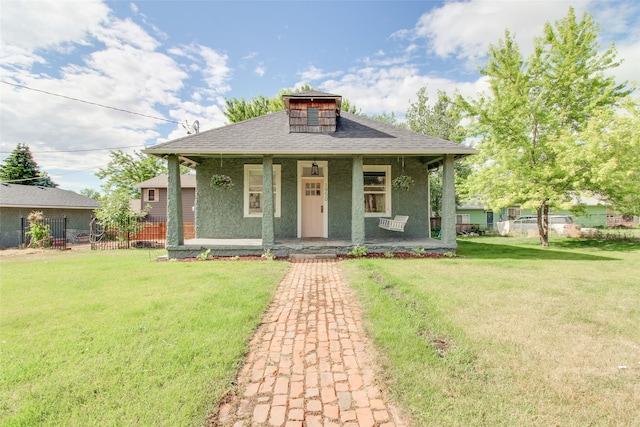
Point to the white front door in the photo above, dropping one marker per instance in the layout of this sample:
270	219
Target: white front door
312	198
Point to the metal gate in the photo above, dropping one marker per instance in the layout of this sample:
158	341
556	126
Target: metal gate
57	232
131	233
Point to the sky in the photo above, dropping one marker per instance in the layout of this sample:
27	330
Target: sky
81	78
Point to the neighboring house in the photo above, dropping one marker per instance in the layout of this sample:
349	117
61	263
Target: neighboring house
331	173
17	201
595	212
154	194
476	215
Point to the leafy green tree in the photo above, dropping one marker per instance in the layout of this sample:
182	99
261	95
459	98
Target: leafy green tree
90	192
612	141
237	110
534	121
125	170
21	168
443	120
388	118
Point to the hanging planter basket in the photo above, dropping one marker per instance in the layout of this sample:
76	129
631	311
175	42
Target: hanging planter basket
221	182
403	182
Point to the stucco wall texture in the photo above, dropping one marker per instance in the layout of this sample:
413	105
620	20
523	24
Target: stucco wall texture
220	213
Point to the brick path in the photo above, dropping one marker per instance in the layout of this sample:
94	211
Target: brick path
308	363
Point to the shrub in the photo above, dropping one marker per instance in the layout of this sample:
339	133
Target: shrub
358	251
40	233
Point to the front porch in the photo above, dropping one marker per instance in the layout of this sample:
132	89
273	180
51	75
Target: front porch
318	246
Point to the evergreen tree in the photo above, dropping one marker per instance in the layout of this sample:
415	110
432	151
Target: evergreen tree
21	168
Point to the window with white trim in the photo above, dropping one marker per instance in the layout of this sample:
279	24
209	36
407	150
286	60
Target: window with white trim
151	195
463	218
513	213
253	190
377	190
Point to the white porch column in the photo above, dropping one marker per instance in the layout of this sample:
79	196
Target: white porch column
175	232
357	202
448	202
268	234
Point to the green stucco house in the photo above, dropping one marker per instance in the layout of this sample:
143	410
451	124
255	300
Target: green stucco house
331	175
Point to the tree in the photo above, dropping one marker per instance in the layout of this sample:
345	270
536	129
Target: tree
443	121
90	192
531	129
238	110
614	139
125	170
21	168
388	118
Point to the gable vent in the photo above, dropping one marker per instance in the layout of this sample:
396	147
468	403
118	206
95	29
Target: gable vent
312	116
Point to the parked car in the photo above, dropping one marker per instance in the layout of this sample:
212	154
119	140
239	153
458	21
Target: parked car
559	224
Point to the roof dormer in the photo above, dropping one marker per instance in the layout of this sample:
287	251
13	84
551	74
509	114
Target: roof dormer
313	112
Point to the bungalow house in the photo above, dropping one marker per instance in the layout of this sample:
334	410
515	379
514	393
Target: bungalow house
153	194
330	175
17	202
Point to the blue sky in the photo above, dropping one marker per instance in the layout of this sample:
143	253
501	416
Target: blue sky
179	60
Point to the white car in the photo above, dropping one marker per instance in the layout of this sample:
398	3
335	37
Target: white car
559	224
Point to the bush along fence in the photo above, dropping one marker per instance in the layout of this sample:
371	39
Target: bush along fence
150	232
38	231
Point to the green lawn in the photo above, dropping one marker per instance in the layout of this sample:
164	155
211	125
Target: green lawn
509	333
113	338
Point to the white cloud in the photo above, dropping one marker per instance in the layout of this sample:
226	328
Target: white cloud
465	30
312	74
49	24
377	90
260	70
127	68
216	72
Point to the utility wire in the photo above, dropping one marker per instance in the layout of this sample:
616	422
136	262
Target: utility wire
87	149
88	102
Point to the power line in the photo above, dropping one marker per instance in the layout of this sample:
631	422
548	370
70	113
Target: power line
88	102
88	149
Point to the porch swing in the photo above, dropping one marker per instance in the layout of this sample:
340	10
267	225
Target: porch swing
395	224
399	221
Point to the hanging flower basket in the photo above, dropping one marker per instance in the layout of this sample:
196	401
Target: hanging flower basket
403	182
223	182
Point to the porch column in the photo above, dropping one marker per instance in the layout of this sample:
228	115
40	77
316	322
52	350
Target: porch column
357	202
268	237
448	219
175	233
429	214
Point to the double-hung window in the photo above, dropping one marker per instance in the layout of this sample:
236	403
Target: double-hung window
254	191
151	195
377	190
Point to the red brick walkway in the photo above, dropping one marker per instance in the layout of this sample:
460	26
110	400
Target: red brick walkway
308	364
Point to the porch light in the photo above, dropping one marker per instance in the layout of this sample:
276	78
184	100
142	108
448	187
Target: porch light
314	169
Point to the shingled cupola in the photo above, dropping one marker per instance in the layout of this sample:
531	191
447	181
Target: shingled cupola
312	112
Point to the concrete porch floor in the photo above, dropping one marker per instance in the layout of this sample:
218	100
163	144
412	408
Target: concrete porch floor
288	247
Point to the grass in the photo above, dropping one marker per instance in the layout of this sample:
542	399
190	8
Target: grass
111	339
509	334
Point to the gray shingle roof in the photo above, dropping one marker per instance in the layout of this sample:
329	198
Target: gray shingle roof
269	134
162	181
29	196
